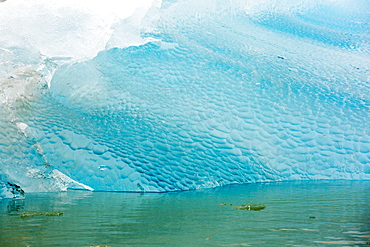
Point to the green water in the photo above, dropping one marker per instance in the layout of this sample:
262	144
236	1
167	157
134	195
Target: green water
325	213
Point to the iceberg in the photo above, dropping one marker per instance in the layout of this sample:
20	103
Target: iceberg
175	95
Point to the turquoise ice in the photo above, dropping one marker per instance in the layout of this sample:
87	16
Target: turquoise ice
206	94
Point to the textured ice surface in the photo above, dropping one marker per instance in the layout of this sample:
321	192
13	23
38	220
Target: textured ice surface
198	94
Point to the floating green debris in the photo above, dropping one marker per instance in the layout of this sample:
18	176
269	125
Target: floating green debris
35	213
251	206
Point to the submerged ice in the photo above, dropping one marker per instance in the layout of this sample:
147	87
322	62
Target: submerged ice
186	95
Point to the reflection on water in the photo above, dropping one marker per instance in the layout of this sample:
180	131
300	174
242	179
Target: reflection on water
296	214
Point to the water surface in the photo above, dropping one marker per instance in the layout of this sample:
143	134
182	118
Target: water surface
324	213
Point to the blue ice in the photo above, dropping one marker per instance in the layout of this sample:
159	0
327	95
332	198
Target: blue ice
207	94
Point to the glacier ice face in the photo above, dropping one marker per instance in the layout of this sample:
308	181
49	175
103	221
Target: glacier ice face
196	95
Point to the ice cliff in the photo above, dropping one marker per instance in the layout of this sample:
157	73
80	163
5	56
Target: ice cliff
179	95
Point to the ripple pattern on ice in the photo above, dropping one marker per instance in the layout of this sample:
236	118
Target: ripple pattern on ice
225	94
